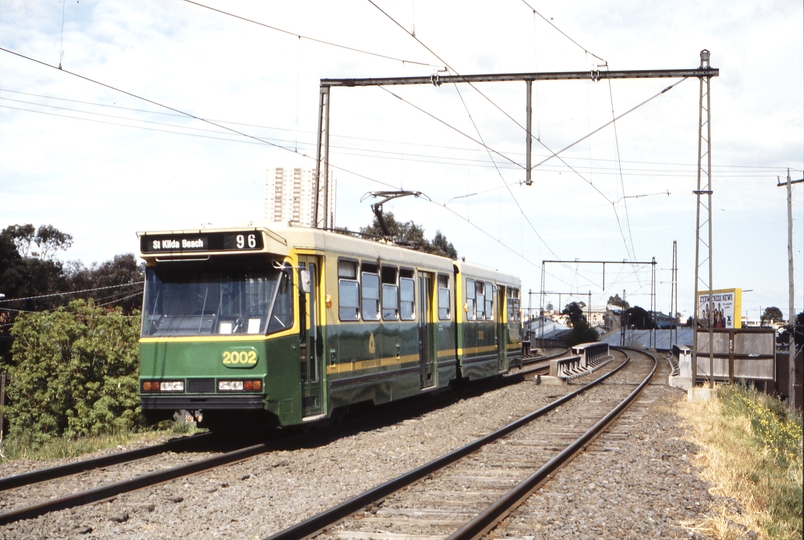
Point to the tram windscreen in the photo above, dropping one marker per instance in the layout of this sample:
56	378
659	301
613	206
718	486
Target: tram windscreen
182	301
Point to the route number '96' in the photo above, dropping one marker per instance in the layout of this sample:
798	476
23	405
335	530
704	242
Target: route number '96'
246	240
240	358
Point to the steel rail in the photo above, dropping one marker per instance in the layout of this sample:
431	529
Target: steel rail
498	510
33	477
125	486
327	518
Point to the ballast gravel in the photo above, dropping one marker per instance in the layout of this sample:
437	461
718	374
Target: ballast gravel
647	487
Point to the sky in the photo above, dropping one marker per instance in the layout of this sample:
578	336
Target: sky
165	115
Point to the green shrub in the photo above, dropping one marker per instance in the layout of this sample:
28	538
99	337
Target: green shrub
775	474
73	373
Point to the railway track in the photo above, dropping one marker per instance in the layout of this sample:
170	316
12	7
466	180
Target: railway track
464	494
52	473
20	489
107	490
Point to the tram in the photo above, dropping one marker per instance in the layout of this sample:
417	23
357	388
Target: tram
289	325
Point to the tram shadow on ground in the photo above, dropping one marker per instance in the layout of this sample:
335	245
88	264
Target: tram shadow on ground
358	418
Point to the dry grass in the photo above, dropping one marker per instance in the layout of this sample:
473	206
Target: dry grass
751	454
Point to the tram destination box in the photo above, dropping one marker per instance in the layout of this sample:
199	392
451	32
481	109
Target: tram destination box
192	242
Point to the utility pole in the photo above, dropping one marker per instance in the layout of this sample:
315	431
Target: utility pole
791	296
652	345
674	293
623	322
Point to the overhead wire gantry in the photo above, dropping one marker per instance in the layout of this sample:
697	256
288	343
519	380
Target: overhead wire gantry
325	94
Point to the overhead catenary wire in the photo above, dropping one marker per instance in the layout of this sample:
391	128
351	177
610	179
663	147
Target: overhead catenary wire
193	116
178	111
67	293
668	169
184	113
554	155
314	40
507	115
632	250
550	22
514	198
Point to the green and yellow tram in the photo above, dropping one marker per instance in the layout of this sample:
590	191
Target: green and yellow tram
288	325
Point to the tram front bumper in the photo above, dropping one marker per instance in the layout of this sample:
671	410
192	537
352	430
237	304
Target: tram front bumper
202	402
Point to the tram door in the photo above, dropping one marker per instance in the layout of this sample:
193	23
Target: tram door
500	335
310	346
427	339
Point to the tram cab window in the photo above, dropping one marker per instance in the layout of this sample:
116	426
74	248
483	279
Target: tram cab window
220	297
348	291
370	292
443	297
390	294
282	314
407	295
470	299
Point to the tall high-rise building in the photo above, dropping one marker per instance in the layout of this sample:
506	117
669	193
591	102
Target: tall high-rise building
290	196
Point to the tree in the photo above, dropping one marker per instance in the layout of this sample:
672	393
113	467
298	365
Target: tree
771	314
639	318
581	333
574	311
412	235
440	246
617	301
21	235
33	280
101	281
48	239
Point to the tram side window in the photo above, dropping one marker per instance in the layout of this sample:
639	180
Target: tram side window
370	293
443	298
470	299
490	293
480	296
348	291
513	305
390	294
407	295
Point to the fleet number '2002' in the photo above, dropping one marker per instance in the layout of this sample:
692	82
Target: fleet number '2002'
240	358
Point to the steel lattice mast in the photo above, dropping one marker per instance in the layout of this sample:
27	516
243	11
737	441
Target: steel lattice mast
704	205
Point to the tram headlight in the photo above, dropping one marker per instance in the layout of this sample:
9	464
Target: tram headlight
171	386
230	386
162	386
252	385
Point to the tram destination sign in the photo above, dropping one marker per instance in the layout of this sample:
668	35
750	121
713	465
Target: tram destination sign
191	242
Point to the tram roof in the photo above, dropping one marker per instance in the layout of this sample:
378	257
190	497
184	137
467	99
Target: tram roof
281	239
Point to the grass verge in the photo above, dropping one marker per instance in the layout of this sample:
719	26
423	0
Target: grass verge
57	447
752	455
